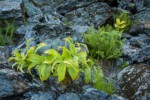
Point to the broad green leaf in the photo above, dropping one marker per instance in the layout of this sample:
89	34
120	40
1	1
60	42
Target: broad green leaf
36	59
30	51
40	46
44	71
61	71
17	54
21	67
118	21
32	65
71	45
66	54
27	43
122	22
122	26
73	74
52	55
55	64
16	63
11	58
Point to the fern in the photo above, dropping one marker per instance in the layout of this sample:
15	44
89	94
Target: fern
100	82
6	33
105	44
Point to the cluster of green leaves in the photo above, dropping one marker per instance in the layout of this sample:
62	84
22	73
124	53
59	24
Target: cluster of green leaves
67	23
122	21
6	33
70	62
59	64
105	43
100	82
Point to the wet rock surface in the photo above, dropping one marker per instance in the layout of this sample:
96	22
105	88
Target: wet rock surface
5	52
10	9
134	82
15	83
95	14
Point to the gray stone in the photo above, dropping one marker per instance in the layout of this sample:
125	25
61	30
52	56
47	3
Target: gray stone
137	48
79	29
72	5
93	94
10	9
134	82
68	96
143	16
30	8
5	52
95	14
132	5
41	2
14	83
41	95
142	56
147	3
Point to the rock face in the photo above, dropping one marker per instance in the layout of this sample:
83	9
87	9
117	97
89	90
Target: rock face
49	26
13	83
10	9
93	94
136	49
40	95
95	14
5	52
134	82
68	96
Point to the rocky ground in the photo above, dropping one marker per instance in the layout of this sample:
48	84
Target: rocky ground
45	22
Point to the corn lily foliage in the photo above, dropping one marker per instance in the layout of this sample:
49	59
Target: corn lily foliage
72	61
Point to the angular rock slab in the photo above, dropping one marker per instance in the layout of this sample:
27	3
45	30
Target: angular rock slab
5	52
134	82
69	96
40	95
93	94
14	83
10	9
136	49
95	14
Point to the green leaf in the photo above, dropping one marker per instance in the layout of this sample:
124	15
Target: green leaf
61	71
44	71
32	65
40	46
27	43
30	51
72	73
66	54
52	55
71	45
87	74
17	54
36	59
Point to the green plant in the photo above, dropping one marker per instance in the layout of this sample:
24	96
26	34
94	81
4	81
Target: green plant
122	21
21	58
69	63
10	28
52	62
124	64
6	33
106	43
67	23
100	82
